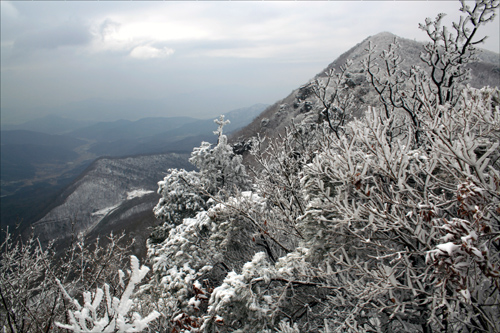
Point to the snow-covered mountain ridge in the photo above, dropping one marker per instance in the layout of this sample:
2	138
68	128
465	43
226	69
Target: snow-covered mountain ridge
107	187
273	120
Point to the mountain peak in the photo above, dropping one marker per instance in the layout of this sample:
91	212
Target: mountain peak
384	34
280	115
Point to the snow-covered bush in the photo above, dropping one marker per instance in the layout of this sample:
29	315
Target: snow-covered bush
389	222
184	193
409	233
181	196
199	252
28	297
239	304
85	266
103	313
220	168
277	180
30	278
335	98
178	259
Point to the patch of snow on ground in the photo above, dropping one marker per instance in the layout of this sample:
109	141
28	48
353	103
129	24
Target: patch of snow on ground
137	193
105	211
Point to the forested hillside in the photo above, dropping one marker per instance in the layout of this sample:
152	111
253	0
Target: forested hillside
360	216
38	169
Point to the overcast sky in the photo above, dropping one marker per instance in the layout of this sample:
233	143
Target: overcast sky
211	57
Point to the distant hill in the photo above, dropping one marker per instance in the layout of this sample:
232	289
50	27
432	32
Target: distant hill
155	135
22	151
36	166
51	124
20	137
126	129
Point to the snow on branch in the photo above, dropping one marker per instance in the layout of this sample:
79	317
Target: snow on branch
103	313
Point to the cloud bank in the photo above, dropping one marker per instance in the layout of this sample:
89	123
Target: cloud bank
150	52
55	53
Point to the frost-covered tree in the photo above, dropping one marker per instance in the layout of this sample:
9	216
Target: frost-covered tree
446	57
334	96
31	276
101	312
186	192
182	196
84	266
386	223
449	52
410	236
220	168
239	303
197	255
29	301
198	243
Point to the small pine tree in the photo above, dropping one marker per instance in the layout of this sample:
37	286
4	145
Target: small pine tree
220	168
185	193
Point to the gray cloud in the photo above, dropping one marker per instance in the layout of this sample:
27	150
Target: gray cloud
108	27
55	53
66	34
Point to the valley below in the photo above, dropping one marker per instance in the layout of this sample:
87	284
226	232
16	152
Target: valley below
70	179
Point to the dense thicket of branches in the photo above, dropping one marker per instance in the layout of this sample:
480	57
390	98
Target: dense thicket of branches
387	223
40	290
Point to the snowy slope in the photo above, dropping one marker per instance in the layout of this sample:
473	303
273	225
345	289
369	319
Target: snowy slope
280	115
105	188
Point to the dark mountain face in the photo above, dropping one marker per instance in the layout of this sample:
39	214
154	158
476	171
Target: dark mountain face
23	153
50	124
19	161
20	137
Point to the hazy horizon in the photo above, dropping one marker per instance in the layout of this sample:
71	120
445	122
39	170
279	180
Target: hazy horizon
124	60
